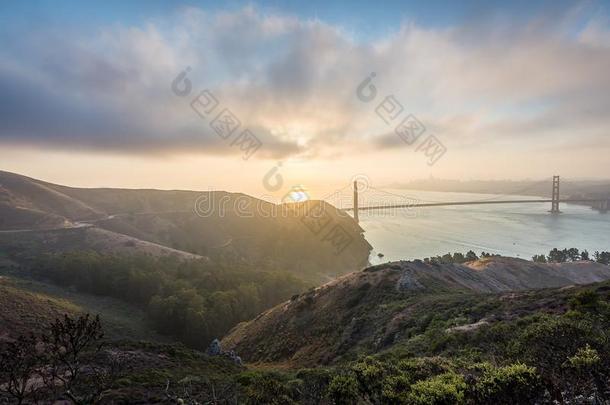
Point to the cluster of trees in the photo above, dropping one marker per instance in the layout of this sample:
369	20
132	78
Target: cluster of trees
195	301
457	257
554	256
56	365
571	255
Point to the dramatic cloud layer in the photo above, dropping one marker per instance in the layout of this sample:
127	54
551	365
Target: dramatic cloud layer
539	82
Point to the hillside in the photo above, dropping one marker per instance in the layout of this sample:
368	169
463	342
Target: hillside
21	245
383	306
212	223
27	203
28	305
145	360
400	333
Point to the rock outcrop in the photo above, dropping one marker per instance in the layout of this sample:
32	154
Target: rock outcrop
215	349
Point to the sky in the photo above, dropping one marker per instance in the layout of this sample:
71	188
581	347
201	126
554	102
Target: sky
260	97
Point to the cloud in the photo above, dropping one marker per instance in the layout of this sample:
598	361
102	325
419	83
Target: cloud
293	82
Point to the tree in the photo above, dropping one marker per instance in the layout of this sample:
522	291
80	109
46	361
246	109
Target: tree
195	301
65	345
484	255
584	255
602	257
52	365
471	256
557	256
539	259
573	254
458	258
447	258
19	365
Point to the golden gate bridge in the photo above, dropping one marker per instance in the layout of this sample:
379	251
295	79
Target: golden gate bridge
601	204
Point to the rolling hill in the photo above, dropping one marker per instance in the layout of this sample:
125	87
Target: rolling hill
159	222
378	308
29	305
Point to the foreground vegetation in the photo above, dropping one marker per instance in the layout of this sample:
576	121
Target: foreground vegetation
454	347
536	358
541	355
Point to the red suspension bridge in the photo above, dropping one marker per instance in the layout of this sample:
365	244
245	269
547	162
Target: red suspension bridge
599	203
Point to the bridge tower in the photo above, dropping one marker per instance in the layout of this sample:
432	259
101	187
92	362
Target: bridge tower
555	199
356	201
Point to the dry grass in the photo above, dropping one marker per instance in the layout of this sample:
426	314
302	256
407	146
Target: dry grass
28	306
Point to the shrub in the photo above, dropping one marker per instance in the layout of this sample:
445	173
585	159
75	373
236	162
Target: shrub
395	390
445	389
369	373
585	358
423	368
265	388
514	384
585	301
549	341
343	390
587	375
314	384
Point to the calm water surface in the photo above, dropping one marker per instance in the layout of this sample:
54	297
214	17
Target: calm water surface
519	230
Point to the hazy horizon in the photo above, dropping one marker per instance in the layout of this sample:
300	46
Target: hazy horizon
92	95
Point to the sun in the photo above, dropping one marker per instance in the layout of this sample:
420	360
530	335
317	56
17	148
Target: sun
297	194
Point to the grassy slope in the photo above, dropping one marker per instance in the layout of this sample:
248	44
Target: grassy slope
373	311
167	217
28	305
23	245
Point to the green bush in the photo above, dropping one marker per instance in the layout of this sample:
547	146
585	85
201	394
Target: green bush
395	390
514	384
585	358
343	390
369	373
314	384
265	388
445	389
549	341
425	367
585	301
